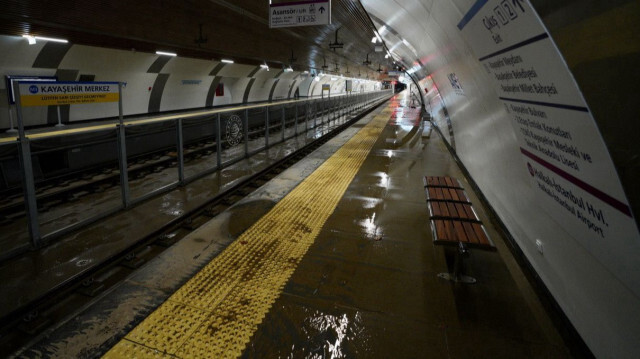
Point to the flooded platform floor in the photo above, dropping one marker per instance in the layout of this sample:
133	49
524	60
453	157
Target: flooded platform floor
332	259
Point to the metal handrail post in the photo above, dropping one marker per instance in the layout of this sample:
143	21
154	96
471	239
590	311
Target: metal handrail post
306	115
245	124
30	192
266	127
122	155
295	123
28	180
333	113
315	114
180	142
283	122
218	142
122	165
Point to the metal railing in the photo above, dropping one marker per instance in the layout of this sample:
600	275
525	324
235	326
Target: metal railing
191	141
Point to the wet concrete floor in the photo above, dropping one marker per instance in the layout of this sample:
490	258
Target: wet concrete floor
367	287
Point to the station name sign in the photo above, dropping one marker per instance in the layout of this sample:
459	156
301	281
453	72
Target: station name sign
67	93
303	13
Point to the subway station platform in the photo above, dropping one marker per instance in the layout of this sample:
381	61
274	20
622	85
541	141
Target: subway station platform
334	258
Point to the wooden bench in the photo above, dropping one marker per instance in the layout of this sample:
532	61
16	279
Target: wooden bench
454	223
452	232
452	210
441	181
447	194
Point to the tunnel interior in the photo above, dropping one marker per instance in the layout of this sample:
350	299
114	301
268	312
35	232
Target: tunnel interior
537	100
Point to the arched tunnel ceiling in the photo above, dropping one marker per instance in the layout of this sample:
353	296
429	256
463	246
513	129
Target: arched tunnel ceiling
414	36
237	29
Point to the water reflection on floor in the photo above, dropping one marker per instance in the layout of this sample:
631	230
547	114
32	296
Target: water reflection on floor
368	286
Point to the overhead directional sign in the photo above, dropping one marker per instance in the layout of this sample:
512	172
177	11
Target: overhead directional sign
303	13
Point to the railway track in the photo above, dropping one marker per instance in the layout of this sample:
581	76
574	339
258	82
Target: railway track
58	305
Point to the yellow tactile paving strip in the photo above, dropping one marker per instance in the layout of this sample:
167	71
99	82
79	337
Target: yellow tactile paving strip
217	311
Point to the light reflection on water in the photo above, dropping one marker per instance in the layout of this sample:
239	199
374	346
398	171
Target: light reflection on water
335	333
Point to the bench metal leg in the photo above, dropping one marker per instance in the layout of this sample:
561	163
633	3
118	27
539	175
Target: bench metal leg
458	267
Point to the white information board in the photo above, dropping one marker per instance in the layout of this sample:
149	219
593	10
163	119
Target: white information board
303	13
560	144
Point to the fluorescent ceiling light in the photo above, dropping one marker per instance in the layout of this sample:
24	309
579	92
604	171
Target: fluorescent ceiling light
32	39
226	61
386	56
374	39
51	39
265	66
288	69
166	53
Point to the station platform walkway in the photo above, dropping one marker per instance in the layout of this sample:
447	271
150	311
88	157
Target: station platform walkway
334	258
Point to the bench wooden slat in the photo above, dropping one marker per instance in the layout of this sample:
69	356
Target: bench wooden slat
449	182
451	193
440	233
451	210
461	235
446	194
481	234
471	214
460	210
462	196
451	206
470	232
443	211
450	232
441	181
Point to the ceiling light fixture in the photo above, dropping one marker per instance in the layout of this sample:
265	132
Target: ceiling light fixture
32	39
227	61
166	53
51	39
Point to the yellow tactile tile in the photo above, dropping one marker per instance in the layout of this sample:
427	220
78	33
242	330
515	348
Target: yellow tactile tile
168	327
217	311
127	349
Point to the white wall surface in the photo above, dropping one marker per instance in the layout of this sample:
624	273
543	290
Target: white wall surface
187	85
182	89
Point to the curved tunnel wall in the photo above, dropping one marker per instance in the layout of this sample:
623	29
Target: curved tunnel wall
593	278
153	83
